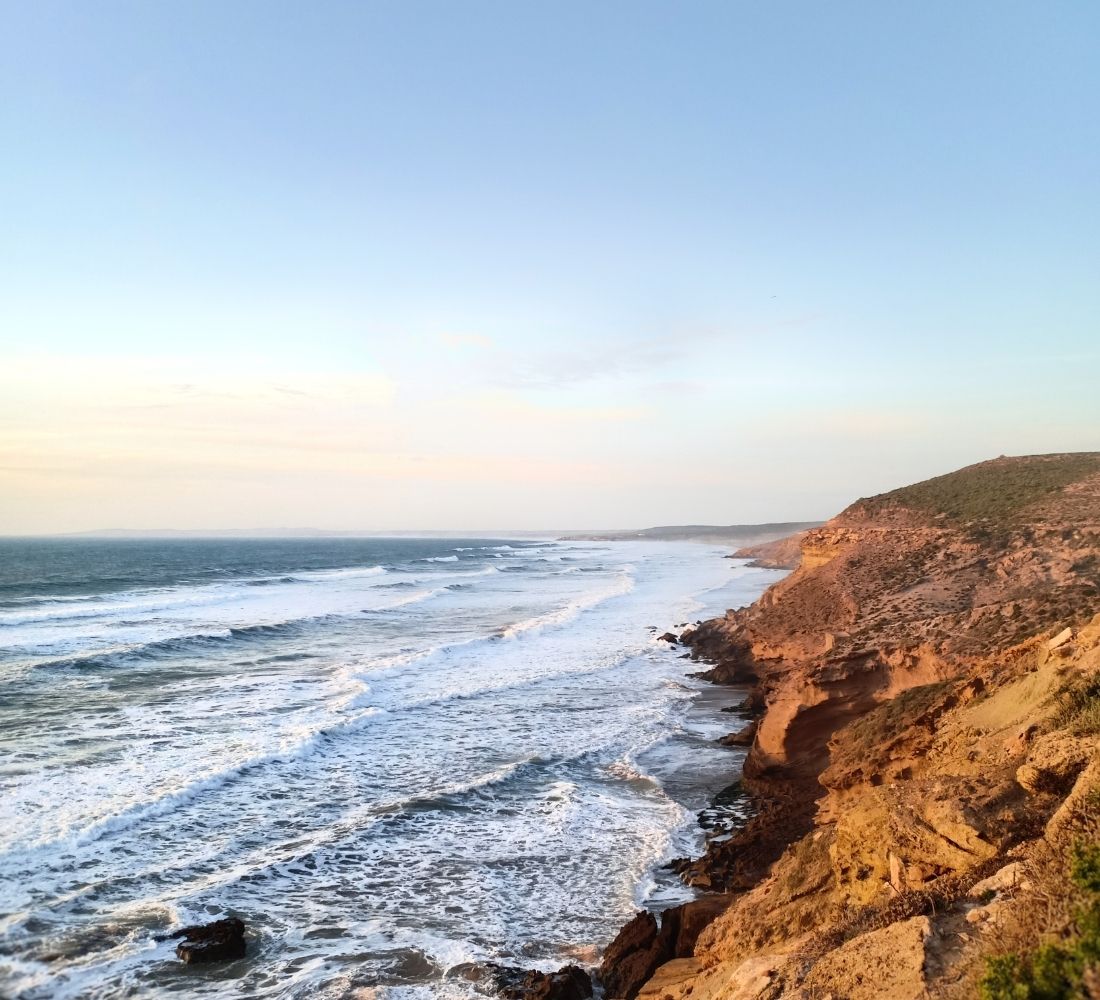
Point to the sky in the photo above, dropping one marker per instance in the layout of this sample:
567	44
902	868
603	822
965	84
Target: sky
468	264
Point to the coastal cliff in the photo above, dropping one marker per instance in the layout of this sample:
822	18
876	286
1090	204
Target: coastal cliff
926	686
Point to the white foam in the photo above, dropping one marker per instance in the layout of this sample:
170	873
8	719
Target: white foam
369	785
70	837
561	616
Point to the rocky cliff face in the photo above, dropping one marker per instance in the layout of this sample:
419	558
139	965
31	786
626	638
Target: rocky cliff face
916	679
783	553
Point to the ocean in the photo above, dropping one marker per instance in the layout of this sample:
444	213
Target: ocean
388	756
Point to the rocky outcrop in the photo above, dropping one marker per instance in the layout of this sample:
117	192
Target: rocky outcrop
742	738
220	941
568	983
632	958
890	597
783	553
930	684
643	945
882	963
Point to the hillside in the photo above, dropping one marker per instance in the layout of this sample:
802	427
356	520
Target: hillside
926	693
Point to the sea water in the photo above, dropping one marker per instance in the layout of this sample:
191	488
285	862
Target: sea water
388	756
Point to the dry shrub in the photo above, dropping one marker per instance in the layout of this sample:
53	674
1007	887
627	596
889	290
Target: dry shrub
1050	949
1078	706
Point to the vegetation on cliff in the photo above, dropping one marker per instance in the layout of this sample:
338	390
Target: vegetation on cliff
997	492
1064	970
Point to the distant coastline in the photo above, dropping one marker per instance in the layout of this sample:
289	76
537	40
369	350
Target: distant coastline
727	534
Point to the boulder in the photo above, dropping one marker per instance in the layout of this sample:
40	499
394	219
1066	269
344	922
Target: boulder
1053	764
568	983
889	962
668	637
679	973
1060	639
1007	878
220	941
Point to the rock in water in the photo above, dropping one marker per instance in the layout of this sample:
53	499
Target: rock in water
568	983
220	941
670	638
742	738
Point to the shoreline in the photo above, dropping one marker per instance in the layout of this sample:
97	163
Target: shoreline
698	768
743	816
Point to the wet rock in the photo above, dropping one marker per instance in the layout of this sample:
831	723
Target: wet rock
668	637
568	983
642	946
742	738
220	941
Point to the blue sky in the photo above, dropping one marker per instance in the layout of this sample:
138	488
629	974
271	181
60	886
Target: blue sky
523	265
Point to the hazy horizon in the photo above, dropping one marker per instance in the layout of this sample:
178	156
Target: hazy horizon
306	532
454	264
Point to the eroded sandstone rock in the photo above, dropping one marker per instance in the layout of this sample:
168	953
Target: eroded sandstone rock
633	957
643	945
881	963
907	675
1052	764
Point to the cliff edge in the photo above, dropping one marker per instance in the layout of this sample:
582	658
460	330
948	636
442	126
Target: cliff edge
927	685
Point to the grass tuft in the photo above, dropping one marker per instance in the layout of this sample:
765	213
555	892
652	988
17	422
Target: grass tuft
1078	707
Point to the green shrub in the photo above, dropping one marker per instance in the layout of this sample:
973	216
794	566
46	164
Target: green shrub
1055	971
1084	867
